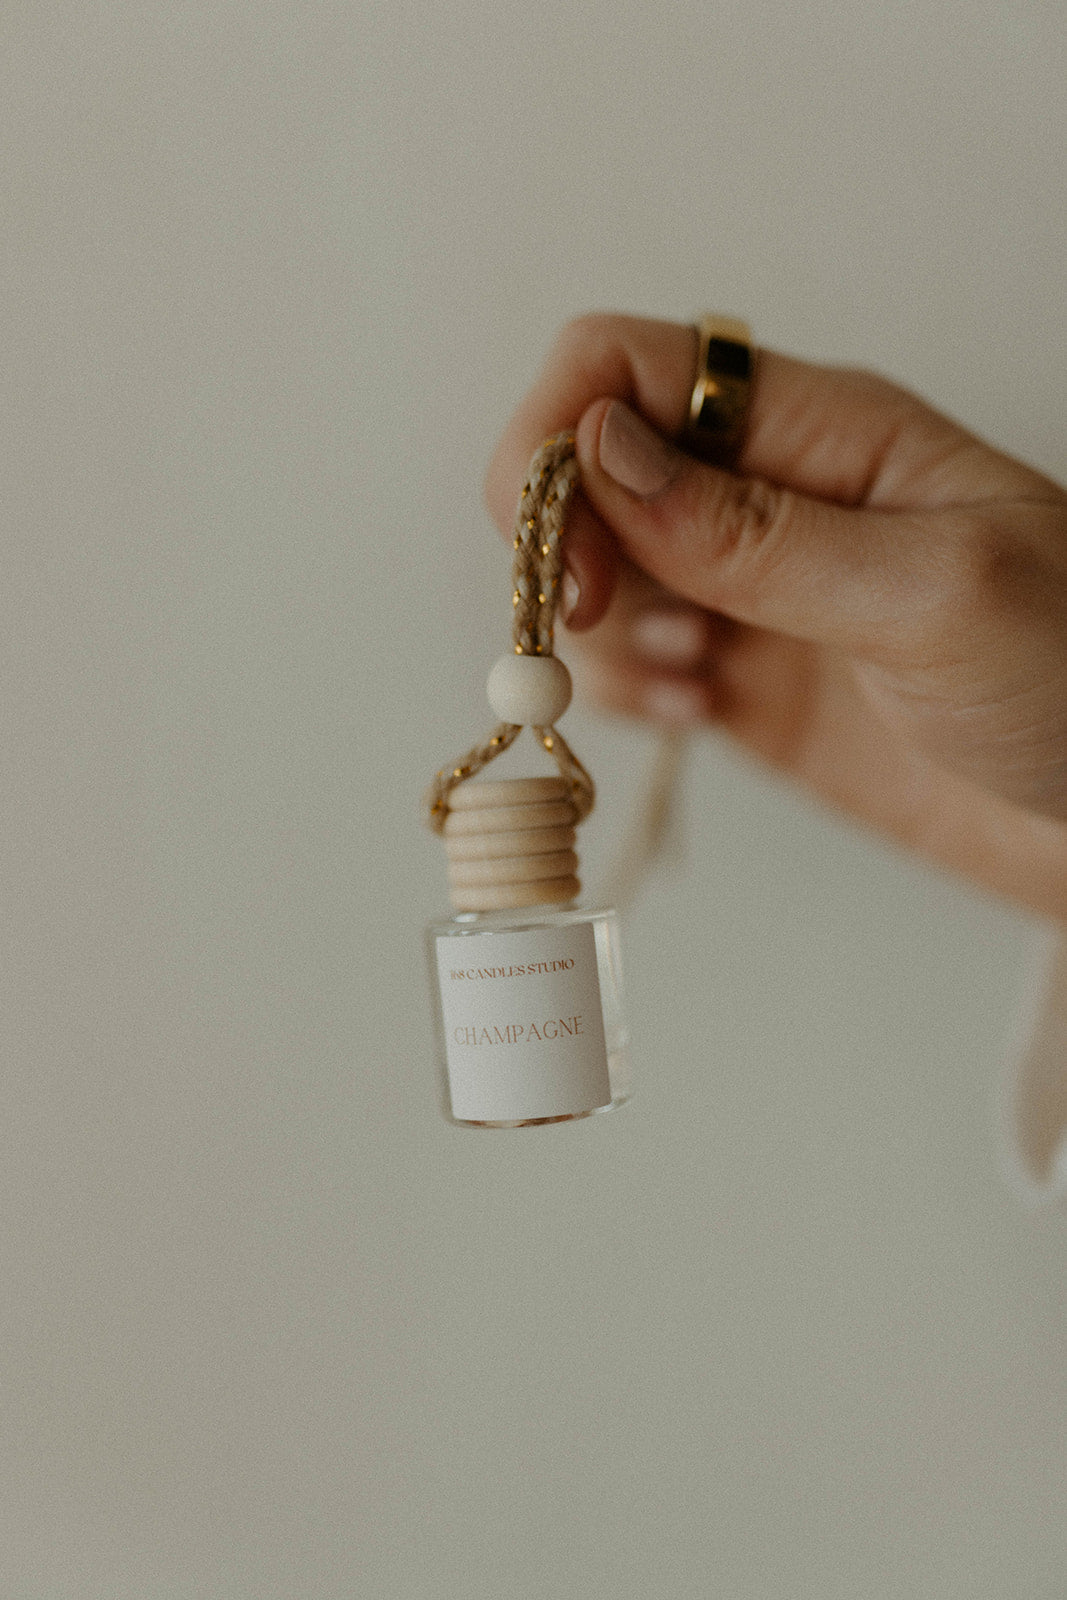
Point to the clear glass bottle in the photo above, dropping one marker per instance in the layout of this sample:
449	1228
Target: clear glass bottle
528	1010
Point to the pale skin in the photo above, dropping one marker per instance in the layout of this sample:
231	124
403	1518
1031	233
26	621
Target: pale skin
873	601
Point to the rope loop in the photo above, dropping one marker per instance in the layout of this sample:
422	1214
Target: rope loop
538	566
538	545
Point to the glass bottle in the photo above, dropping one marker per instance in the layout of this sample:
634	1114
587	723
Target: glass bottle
527	997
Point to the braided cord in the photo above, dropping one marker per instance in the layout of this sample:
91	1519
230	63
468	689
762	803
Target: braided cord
436	803
538	566
537	544
583	790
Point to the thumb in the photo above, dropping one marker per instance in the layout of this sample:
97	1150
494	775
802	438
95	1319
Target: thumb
765	555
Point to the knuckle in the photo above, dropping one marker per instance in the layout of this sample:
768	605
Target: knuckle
867	382
748	521
1018	577
985	565
585	341
589	328
982	578
864	386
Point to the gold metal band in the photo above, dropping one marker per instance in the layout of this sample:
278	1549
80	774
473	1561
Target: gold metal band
720	395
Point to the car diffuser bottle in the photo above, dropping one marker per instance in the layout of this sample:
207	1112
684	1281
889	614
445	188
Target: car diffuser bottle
526	985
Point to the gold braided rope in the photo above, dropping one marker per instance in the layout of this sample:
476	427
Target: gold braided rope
537	544
538	566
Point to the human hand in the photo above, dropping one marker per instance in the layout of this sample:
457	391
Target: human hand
874	601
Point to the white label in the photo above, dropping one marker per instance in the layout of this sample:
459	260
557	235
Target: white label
524	1029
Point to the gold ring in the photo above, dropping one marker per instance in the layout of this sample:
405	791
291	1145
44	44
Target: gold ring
719	401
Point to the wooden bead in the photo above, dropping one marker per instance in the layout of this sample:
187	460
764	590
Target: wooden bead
531	690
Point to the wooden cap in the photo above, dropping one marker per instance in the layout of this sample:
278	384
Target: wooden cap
510	843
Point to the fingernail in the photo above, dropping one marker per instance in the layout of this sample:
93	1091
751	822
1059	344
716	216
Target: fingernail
635	456
673	638
569	596
679	704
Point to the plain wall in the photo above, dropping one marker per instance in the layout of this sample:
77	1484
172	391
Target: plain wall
275	274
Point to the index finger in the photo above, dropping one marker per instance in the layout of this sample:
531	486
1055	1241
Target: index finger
834	433
629	358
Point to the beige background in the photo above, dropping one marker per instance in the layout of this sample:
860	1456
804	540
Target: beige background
274	275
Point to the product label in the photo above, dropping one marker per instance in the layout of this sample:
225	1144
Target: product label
524	1029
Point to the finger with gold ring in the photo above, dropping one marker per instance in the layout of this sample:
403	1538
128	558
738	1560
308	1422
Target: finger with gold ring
719	401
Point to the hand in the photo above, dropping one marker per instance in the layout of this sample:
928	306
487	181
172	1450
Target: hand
874	602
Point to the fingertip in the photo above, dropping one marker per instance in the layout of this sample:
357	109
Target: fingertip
499	494
669	700
592	551
591	565
587	435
